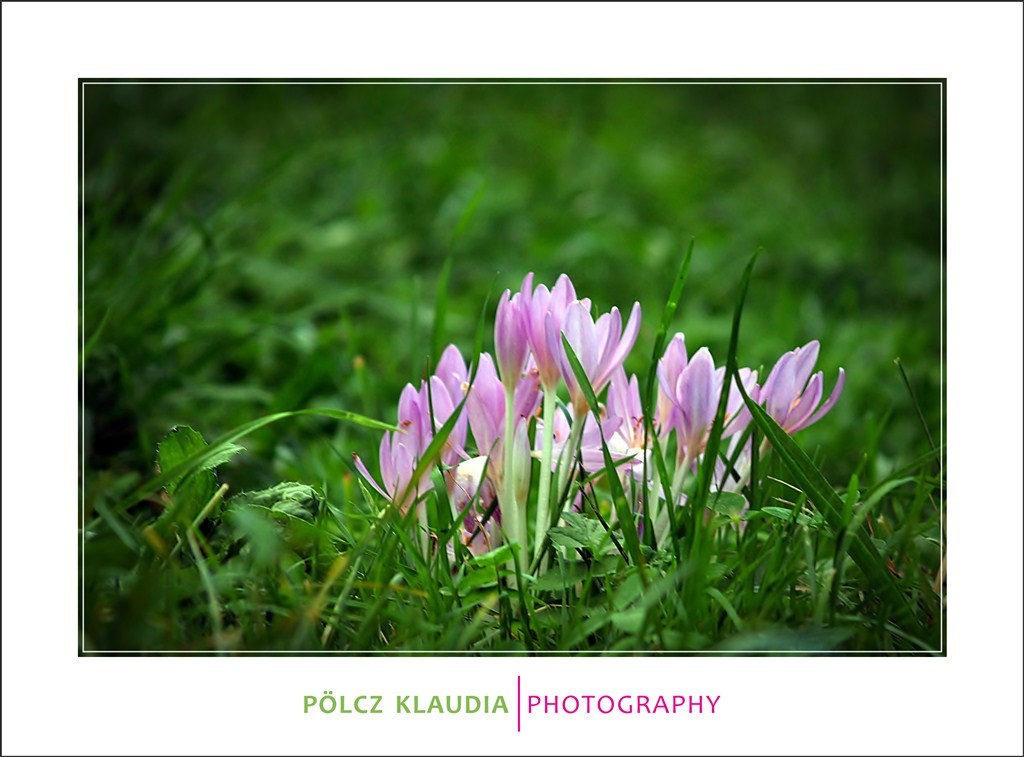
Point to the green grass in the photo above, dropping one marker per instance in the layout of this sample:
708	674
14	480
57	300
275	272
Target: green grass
254	251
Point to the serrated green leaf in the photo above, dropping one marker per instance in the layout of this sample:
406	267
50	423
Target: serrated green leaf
255	526
294	499
579	532
188	491
569	539
222	455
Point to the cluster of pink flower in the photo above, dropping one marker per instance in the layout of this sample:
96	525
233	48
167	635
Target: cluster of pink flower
531	366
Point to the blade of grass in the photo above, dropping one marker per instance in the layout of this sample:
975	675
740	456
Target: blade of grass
441	306
825	499
707	469
917	406
622	508
667	313
93	339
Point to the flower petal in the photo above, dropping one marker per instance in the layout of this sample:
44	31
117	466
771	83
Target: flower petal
696	399
361	467
804	405
623	344
806	357
832	399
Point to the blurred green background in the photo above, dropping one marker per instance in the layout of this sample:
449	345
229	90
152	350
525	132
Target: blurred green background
254	248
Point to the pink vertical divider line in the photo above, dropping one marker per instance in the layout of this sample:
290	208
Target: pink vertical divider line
519	705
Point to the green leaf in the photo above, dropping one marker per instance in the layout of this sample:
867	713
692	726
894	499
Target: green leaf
729	503
190	490
223	455
716	595
293	499
571	572
628	621
707	468
666	318
580	532
498	556
570	539
647	400
261	535
479	577
787	514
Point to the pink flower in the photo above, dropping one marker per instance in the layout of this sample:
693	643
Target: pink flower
630	438
670	366
480	528
511	340
601	346
397	465
695	398
544	306
591	454
791	394
486	410
401	450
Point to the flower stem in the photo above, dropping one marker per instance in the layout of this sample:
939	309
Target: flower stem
675	492
544	488
567	460
517	522
424	529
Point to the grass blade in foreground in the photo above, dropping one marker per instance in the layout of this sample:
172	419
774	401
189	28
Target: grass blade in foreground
715	437
825	499
618	495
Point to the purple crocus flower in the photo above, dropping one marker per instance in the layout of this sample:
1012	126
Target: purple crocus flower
696	396
696	401
451	369
630	437
791	394
737	416
511	338
670	366
447	387
414	419
397	465
486	410
479	532
401	450
601	346
544	306
590	451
